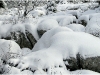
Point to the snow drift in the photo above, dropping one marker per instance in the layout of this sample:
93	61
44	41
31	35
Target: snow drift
58	45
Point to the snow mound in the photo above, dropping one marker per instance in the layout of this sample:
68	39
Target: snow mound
67	20
59	43
47	24
75	13
4	29
9	49
93	27
18	27
84	19
45	43
76	27
5	17
36	13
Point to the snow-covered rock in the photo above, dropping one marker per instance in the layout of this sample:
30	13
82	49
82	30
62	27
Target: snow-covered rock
75	13
59	43
9	49
36	13
84	19
46	25
76	27
83	72
67	20
93	27
22	34
25	40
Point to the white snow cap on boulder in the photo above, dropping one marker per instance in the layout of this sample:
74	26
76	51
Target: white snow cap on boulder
76	27
61	38
67	20
63	44
47	24
93	27
9	47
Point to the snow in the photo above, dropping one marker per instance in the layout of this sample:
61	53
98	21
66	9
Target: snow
76	13
25	51
84	18
76	27
68	20
18	27
84	72
47	24
4	17
46	44
9	49
60	44
48	41
4	29
30	24
64	39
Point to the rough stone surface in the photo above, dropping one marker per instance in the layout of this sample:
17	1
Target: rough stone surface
23	40
91	63
30	38
72	64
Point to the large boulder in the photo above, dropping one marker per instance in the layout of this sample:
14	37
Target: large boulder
58	49
90	63
9	49
93	26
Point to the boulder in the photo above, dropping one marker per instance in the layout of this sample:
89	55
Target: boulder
91	63
45	25
26	40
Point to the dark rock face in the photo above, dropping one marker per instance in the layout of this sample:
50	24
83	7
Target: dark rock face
91	63
31	38
41	32
2	4
72	64
26	40
83	22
